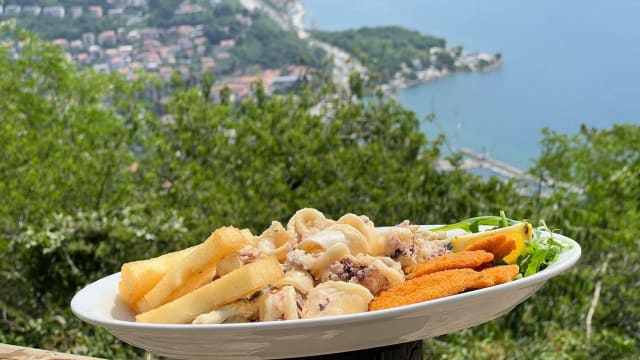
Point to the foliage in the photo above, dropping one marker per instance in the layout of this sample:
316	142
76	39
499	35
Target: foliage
61	130
602	216
53	28
91	178
386	48
266	44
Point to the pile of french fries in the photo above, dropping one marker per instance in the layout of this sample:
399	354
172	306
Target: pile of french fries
177	287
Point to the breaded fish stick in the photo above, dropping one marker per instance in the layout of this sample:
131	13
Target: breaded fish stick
450	261
499	245
428	287
502	273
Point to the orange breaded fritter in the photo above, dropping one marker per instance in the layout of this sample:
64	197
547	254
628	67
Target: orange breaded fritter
431	286
450	261
502	273
499	245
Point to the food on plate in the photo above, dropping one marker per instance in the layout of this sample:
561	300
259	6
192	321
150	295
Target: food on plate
307	221
519	232
460	260
374	273
408	246
238	311
431	286
302	281
234	286
280	304
499	245
316	267
502	273
138	277
336	298
276	240
194	269
365	226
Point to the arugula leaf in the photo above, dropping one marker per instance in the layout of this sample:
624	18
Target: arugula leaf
473	224
541	251
537	254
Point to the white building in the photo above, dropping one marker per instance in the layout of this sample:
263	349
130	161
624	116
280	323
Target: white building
76	11
12	9
55	11
31	10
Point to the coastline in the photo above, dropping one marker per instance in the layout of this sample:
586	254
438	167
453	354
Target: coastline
431	75
345	64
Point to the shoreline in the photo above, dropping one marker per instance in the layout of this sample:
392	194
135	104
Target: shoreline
345	64
405	83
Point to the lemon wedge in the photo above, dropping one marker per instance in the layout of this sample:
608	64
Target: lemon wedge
520	232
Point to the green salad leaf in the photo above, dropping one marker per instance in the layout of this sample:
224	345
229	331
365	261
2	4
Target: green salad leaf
472	225
537	254
541	251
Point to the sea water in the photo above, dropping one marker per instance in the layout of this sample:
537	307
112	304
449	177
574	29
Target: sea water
567	63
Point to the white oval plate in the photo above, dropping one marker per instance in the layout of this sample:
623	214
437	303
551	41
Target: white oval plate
98	303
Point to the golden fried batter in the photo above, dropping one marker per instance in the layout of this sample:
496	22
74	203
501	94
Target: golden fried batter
499	245
431	286
501	274
450	261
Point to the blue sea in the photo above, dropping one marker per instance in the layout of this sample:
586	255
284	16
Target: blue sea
567	63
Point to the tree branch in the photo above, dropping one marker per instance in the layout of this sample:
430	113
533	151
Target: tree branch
596	299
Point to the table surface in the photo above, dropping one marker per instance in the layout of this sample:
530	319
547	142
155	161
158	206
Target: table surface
406	351
18	352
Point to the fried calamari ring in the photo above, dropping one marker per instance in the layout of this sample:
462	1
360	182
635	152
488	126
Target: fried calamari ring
307	221
334	253
276	241
336	298
367	228
302	281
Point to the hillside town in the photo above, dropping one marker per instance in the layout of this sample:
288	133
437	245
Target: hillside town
181	49
238	41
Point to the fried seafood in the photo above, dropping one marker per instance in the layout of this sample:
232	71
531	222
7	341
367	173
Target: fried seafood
408	246
336	298
429	287
450	261
239	311
502	273
499	245
374	273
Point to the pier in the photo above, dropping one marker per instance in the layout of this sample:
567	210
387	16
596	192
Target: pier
476	161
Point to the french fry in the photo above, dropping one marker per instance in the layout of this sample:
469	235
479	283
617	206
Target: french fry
195	281
222	242
138	277
233	286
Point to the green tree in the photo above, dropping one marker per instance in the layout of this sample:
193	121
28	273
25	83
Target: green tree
384	49
63	149
73	146
592	312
